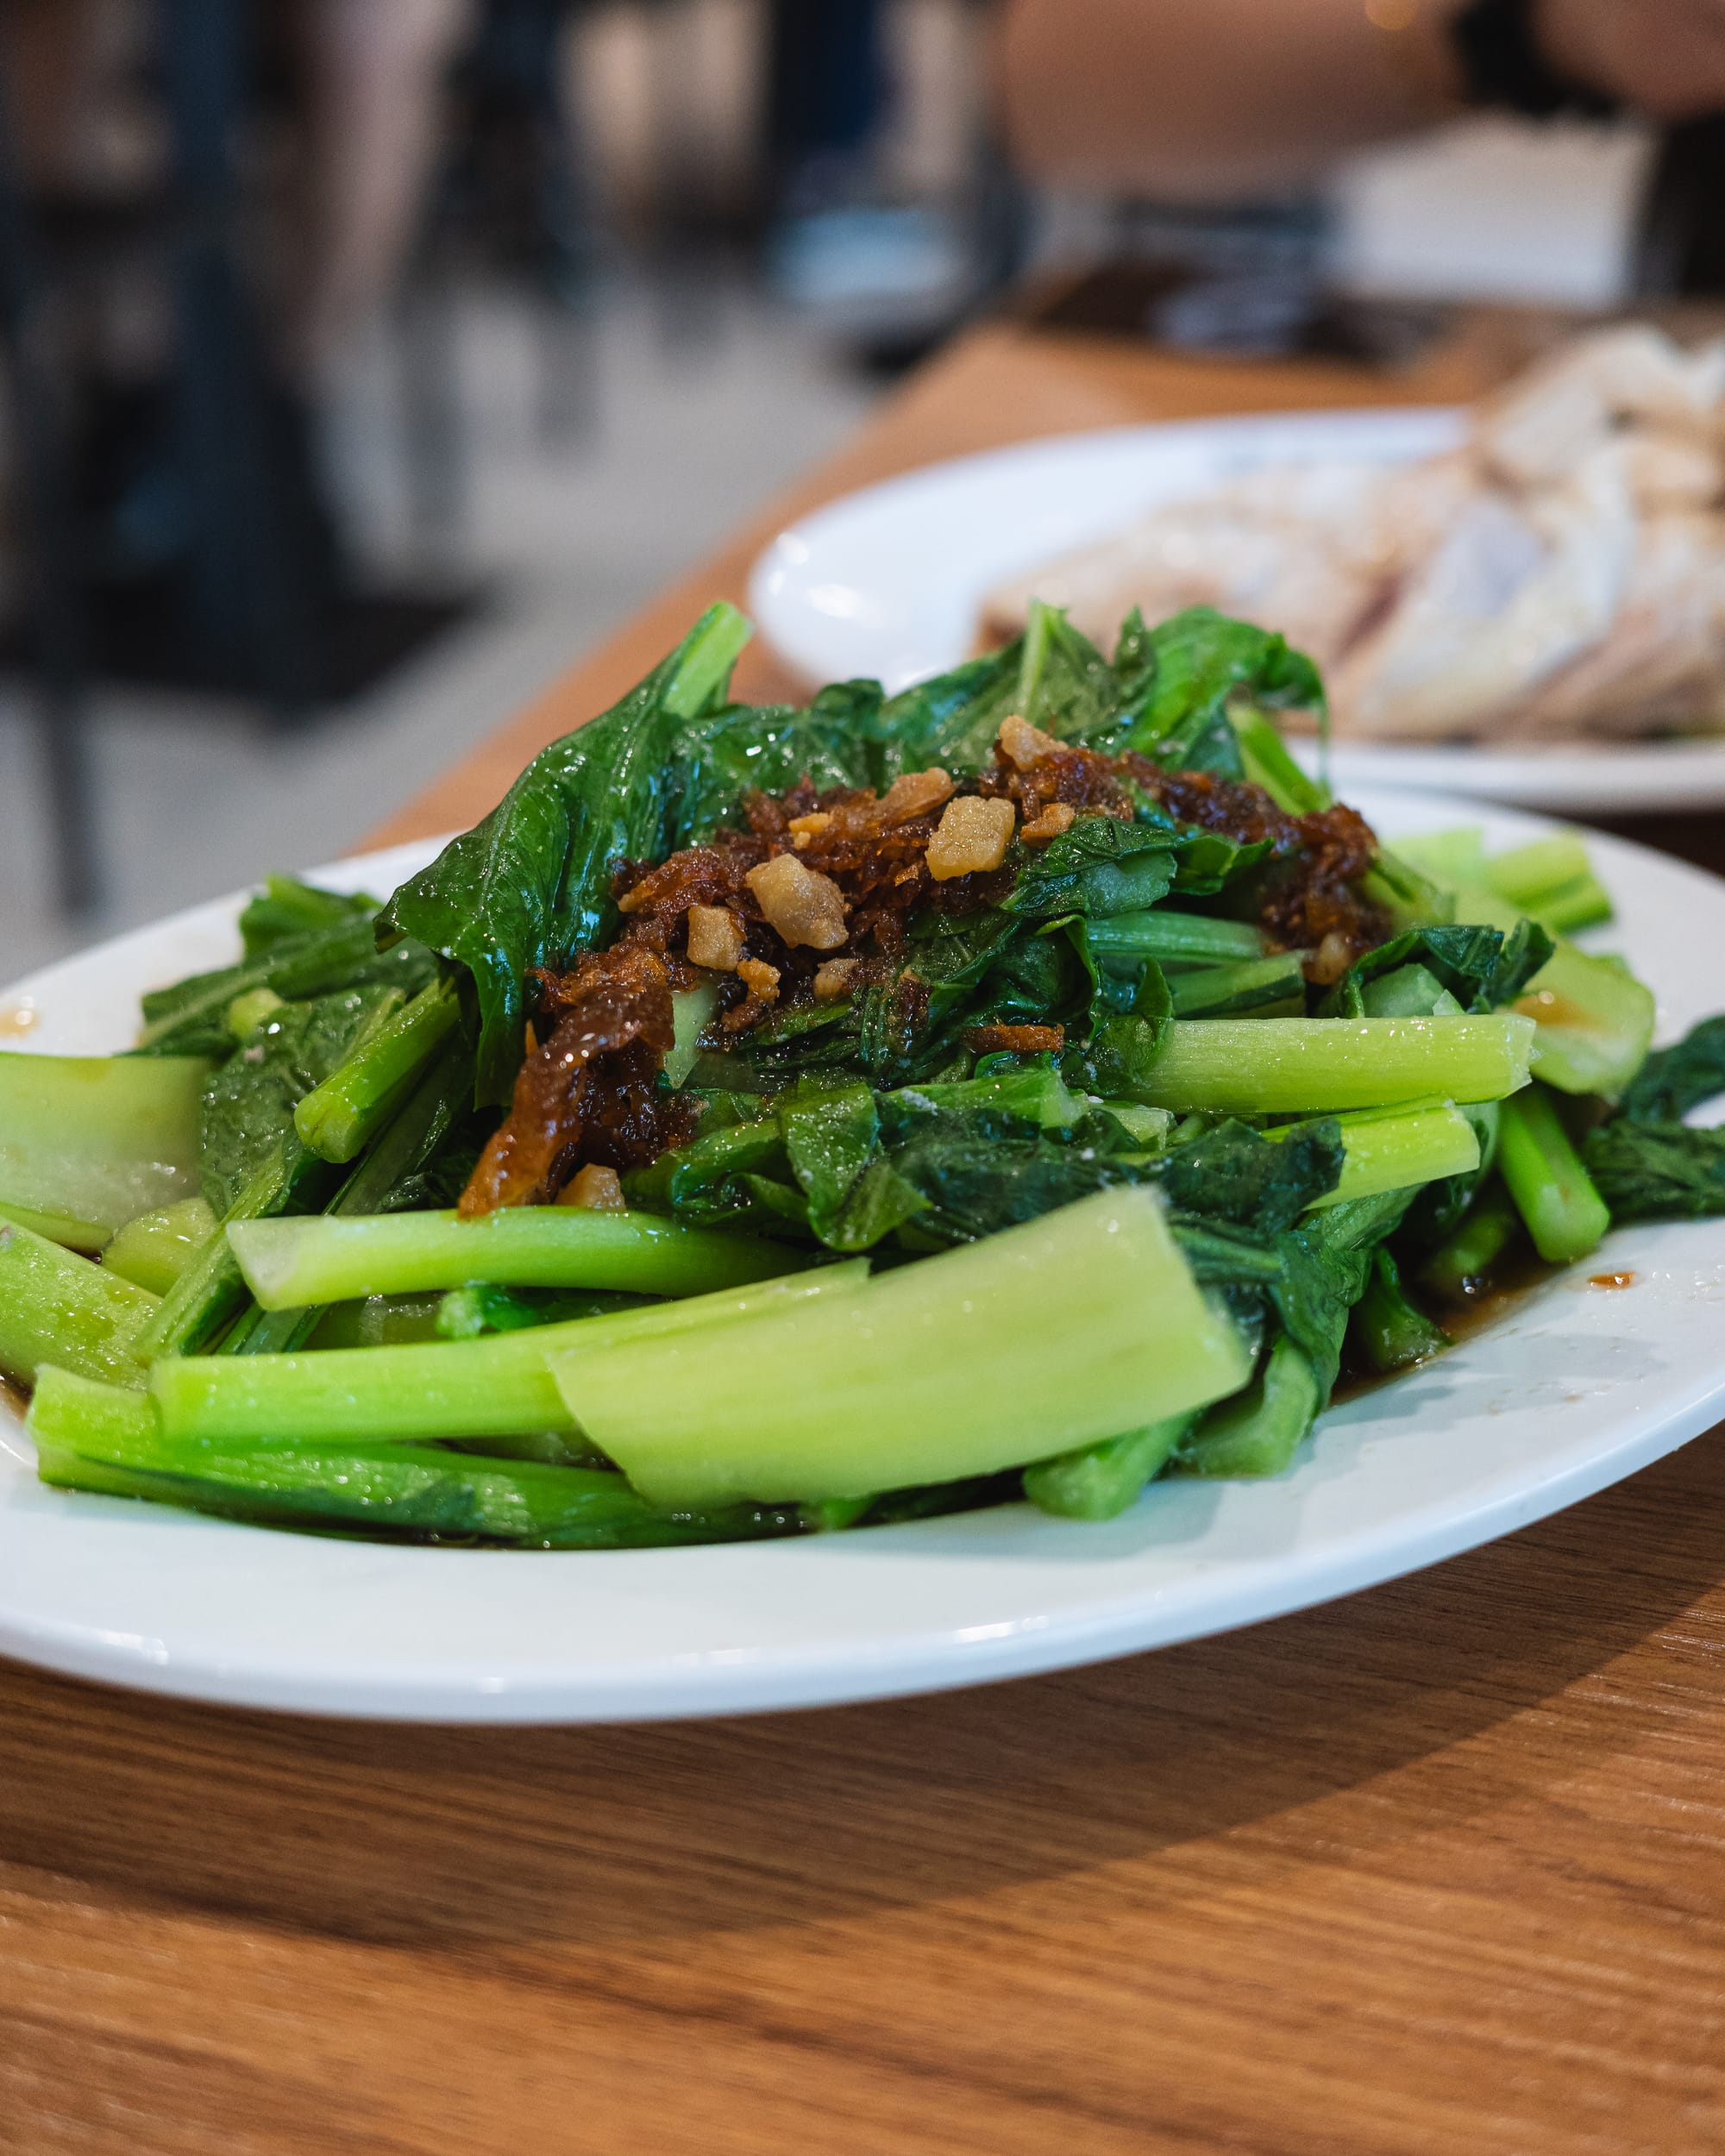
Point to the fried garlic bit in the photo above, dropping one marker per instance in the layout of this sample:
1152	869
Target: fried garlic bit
800	904
973	837
832	980
917	793
1023	744
715	938
1055	818
761	980
595	1189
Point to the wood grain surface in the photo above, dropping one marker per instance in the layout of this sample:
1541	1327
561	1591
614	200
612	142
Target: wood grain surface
1438	1870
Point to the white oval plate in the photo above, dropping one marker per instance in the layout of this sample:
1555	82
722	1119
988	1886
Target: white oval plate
1575	1389
889	582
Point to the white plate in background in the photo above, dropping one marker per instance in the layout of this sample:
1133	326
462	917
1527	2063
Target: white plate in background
1577	1388
889	582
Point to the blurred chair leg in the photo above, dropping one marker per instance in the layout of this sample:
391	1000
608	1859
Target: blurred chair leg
433	436
65	756
48	516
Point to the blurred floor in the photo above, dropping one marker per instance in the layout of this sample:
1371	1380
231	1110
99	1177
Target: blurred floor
703	402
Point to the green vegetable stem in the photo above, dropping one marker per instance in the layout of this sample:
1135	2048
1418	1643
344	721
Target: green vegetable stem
339	1117
1101	1480
289	1263
56	1306
1303	1066
1389	1330
1554	1192
497	1386
1034	1341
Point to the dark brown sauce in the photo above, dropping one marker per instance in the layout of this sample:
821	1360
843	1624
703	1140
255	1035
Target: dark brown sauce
14	1397
1551	1009
1513	1279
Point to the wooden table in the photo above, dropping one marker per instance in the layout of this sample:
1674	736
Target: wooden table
1440	1869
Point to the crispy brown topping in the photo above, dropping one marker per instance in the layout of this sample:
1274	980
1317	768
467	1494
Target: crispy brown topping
595	1189
1019	1040
715	938
762	981
1323	856
1024	745
833	981
917	793
1057	817
800	904
972	839
590	1088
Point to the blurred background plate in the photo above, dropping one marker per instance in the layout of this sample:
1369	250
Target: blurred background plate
889	582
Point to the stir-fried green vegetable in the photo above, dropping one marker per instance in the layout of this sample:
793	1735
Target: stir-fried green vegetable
1099	1164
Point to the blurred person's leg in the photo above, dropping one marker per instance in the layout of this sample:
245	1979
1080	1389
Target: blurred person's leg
826	83
374	75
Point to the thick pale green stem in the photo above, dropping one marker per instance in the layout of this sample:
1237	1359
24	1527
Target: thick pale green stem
1273	988
1394	1149
1553	1193
210	1290
289	1263
500	1386
93	1438
88	1142
1259	1432
1032	1342
56	1306
1282	1066
155	1248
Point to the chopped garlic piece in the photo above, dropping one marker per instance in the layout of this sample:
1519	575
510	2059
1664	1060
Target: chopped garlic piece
595	1188
1023	744
801	904
715	938
832	981
816	820
916	793
761	980
973	837
1055	818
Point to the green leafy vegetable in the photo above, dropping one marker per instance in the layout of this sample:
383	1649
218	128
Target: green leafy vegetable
1657	1171
530	886
1672	1080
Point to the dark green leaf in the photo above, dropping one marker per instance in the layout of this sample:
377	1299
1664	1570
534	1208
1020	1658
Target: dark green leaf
286	909
1657	1171
1481	967
1326	1264
1674	1081
248	1104
1235	1175
530	886
1192	666
1100	865
771	748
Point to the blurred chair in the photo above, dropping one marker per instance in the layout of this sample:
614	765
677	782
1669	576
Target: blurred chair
174	521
